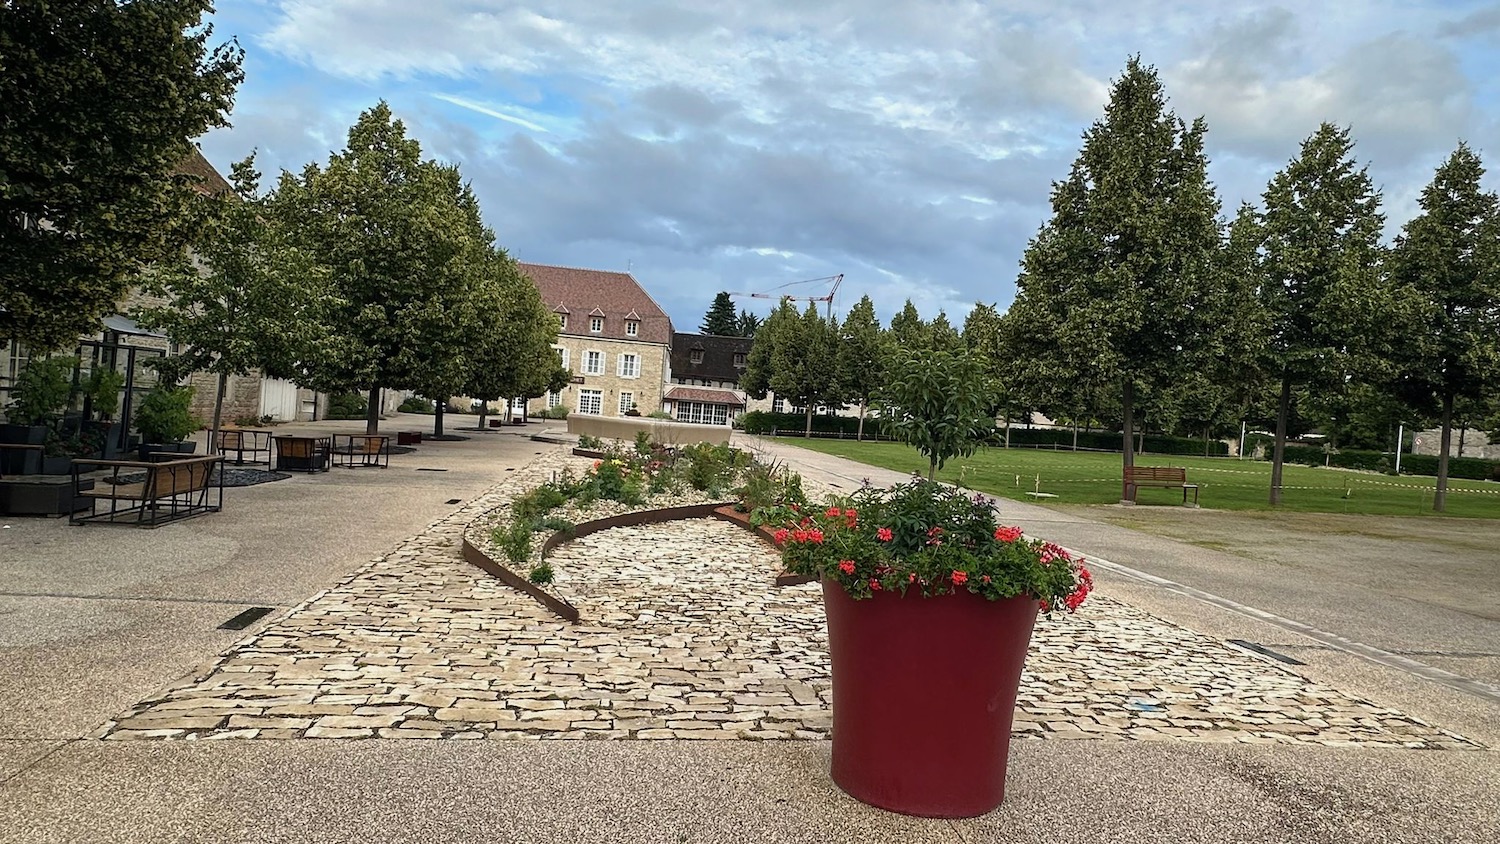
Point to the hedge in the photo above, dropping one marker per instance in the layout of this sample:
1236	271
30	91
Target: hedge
1108	441
763	422
1468	468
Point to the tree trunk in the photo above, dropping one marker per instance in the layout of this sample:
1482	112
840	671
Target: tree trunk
807	434
1462	432
1007	431
1440	494
1278	451
1205	440
484	409
213	430
932	468
860	433
437	417
372	412
1075	434
1127	404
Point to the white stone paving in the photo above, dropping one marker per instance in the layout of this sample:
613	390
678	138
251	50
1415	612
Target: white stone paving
683	636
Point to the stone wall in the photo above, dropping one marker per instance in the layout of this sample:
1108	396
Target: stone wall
662	431
1475	444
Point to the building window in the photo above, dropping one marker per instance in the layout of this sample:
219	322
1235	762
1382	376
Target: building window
630	366
627	401
632	327
553	399
562	321
696	356
596	324
778	405
739	360
593	363
591	402
702	413
562	356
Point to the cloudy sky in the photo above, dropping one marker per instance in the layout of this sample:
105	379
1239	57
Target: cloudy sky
909	145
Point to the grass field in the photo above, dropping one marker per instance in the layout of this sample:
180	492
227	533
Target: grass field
1226	483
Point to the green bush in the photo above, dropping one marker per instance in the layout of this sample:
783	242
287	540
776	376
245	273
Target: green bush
42	390
538	502
515	541
164	417
1467	468
415	404
346	406
589	442
541	574
1062	438
558	412
559	524
763	422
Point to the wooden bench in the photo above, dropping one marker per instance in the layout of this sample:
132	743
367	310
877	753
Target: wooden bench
240	441
166	491
1167	477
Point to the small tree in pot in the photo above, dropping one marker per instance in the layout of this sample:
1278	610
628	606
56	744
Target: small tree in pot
40	393
164	421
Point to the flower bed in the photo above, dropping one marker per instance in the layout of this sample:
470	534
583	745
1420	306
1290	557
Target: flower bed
560	497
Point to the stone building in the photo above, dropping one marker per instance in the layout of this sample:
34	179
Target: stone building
613	336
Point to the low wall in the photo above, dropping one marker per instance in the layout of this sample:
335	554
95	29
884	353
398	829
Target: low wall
663	431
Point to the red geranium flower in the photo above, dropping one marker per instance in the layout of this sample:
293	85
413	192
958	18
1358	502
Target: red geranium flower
815	536
883	534
960	578
874	585
1007	534
846	566
834	513
799	536
780	536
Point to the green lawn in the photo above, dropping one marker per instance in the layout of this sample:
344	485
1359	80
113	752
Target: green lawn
1227	484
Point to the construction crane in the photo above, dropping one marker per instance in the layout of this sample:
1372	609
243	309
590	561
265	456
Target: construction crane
832	291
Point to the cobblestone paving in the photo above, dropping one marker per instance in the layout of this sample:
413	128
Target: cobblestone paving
684	637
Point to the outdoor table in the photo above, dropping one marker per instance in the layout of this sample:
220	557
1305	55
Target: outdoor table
303	454
241	440
355	450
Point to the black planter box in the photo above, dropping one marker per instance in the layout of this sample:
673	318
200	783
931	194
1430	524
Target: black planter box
42	496
147	449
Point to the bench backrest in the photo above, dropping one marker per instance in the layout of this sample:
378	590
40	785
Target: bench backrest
1169	474
301	447
174	477
231	440
369	444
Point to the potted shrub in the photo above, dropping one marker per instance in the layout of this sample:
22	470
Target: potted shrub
930	604
40	393
165	421
103	393
634	410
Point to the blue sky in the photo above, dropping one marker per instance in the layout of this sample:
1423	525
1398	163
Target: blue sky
908	145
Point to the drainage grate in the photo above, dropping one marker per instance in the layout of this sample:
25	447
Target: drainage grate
454	501
425	469
246	618
1264	651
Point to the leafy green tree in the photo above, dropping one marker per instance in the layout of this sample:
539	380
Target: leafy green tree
938	402
402	243
1111	288
1447	265
98	103
721	319
240	304
861	357
804	363
756	379
1321	254
512	354
907	330
942	335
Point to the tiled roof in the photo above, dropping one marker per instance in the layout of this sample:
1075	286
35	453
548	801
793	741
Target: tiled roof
208	181
718	356
600	292
704	395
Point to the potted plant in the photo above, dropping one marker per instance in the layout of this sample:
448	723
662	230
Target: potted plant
930	604
40	393
103	393
165	421
634	410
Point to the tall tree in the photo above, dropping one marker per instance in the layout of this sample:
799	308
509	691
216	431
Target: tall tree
1321	256
721	319
907	330
399	237
512	355
241	304
1447	263
746	324
804	363
99	101
861	357
942	336
1119	268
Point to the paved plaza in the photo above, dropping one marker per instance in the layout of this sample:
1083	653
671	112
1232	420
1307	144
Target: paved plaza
683	636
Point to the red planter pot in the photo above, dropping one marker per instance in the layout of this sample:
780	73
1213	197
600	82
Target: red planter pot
923	694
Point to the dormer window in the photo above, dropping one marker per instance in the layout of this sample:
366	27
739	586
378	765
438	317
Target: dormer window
562	321
739	360
596	324
632	327
696	356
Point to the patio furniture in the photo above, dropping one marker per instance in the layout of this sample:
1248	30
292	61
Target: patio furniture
408	437
303	454
20	456
356	450
242	442
149	494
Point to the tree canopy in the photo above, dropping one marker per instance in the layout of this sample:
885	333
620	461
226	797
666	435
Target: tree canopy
721	318
938	402
99	101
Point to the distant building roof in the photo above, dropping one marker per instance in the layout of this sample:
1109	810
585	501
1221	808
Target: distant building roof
718	356
704	395
617	297
209	181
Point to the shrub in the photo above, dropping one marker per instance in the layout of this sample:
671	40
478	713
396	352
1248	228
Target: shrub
1062	438
558	412
559	524
643	443
515	540
164	417
538	502
589	442
41	391
415	404
541	574
763	422
346	406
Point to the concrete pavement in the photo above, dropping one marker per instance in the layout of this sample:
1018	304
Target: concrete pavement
130	615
